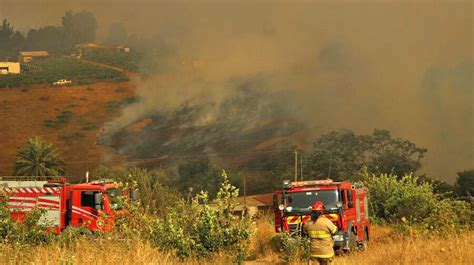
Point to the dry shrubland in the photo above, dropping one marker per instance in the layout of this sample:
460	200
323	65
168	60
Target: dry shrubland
386	247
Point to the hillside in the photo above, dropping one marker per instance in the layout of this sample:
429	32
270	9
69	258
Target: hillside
69	116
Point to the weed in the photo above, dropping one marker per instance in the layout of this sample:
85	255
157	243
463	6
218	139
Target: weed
72	136
121	90
120	103
89	128
61	118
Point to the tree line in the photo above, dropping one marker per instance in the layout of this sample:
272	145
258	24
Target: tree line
79	27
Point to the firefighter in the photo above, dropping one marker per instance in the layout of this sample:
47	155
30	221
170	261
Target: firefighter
320	230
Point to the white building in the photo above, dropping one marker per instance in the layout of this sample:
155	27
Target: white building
9	68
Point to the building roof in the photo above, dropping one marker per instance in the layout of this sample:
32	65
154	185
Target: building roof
259	200
34	53
9	63
86	45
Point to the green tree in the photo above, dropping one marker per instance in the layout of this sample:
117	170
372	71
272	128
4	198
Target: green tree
384	154
265	172
48	38
465	182
338	155
406	200
154	185
79	27
343	154
11	41
38	158
200	175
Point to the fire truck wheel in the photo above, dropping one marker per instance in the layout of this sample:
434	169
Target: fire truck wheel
353	245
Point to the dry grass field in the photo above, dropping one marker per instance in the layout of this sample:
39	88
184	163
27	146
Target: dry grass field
386	247
23	113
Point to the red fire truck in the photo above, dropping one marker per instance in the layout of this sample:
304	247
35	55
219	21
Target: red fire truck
346	205
95	205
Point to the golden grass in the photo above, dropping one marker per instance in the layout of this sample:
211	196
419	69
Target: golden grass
386	247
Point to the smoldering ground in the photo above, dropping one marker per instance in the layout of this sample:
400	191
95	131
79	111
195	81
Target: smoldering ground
238	66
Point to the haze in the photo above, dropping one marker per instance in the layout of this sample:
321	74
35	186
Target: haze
407	67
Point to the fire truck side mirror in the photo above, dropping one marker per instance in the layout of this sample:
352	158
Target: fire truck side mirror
98	201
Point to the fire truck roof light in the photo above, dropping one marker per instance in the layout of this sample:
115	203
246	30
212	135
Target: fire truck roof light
311	183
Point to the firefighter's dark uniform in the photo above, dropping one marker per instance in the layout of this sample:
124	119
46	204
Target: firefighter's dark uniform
320	233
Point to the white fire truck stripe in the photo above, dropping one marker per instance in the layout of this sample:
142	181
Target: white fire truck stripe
23	199
25	202
21	203
83	215
84	211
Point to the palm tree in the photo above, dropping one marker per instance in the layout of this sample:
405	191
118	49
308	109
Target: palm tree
38	158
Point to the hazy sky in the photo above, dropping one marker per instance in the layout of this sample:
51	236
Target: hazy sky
402	65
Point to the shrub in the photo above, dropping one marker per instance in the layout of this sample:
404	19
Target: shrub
196	228
406	201
28	232
62	118
292	248
153	192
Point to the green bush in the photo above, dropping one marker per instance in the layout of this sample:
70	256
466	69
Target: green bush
28	232
292	248
406	201
129	61
197	228
154	194
62	118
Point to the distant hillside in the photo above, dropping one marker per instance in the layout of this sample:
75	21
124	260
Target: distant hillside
69	117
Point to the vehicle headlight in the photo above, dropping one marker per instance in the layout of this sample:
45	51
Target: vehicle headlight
338	237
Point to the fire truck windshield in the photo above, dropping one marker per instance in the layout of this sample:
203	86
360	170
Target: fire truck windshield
115	198
305	199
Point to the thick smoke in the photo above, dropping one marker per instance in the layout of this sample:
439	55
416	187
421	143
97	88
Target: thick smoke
315	67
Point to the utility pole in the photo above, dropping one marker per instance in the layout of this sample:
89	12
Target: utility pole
301	166
296	165
245	191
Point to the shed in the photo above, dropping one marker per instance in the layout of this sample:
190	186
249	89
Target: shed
87	45
9	68
255	204
27	56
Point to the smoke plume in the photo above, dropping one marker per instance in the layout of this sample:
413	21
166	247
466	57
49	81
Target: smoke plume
240	67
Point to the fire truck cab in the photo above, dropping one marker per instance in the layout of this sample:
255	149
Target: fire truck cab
95	205
346	205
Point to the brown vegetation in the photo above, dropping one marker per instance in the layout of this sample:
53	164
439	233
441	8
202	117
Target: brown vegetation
386	247
75	136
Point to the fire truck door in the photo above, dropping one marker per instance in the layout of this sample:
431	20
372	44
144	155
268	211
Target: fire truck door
83	211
